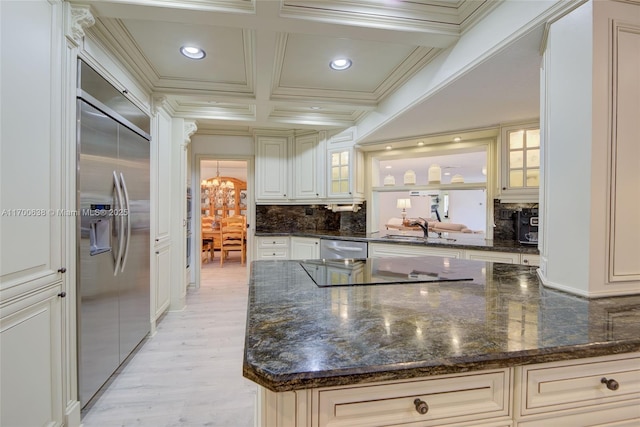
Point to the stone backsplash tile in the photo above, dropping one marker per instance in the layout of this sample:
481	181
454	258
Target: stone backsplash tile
290	218
504	217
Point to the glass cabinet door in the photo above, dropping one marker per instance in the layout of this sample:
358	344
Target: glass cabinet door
340	179
523	158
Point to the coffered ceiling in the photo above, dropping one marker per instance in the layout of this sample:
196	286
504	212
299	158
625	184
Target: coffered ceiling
267	61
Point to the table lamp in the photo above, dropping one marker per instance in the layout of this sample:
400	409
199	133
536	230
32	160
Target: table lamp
404	204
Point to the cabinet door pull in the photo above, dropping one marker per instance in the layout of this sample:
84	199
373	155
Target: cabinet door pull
62	270
611	384
421	406
62	294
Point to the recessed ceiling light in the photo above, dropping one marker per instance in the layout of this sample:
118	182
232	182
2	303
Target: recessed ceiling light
192	52
447	173
420	143
316	108
388	147
340	64
388	167
457	139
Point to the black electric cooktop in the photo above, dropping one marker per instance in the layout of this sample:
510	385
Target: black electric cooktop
385	271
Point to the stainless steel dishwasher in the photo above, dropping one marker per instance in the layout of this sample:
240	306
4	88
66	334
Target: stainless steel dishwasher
342	249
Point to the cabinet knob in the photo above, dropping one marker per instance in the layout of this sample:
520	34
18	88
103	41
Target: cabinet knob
525	261
611	384
62	294
62	270
421	406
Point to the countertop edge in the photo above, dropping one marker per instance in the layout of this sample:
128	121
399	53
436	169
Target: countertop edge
496	245
420	369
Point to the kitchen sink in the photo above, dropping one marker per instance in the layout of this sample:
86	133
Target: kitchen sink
417	239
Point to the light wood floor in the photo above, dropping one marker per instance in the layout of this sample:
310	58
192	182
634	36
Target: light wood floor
190	372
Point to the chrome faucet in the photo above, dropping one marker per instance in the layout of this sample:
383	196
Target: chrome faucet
424	226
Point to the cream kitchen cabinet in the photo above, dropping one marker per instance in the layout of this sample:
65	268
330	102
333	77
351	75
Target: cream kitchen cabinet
571	393
480	399
520	163
308	156
381	250
346	176
272	248
290	169
504	257
161	292
37	207
272	169
305	248
31	357
595	391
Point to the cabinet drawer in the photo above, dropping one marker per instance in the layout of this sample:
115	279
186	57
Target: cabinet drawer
474	397
503	257
530	259
273	242
565	385
273	253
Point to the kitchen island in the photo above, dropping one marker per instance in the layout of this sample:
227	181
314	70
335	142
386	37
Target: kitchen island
494	348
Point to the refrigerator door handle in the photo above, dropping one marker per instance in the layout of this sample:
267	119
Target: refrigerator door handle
126	214
116	184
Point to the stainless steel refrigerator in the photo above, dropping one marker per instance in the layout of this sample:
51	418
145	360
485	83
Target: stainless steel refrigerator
113	229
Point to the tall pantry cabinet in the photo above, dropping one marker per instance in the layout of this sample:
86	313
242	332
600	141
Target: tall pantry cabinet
36	213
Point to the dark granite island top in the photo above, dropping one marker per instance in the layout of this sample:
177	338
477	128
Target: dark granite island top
300	335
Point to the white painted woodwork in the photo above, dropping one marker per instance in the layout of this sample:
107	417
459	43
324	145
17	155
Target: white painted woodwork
567	393
272	168
31	202
272	247
161	144
392	250
31	359
36	214
305	248
162	285
590	210
530	259
308	168
342	145
506	193
503	257
572	391
624	153
450	398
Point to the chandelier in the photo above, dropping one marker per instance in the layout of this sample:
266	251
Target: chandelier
221	192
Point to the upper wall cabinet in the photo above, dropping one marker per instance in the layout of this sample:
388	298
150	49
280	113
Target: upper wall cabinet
520	160
272	169
308	156
308	169
345	169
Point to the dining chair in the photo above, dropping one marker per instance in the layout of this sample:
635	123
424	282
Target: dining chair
233	236
207	246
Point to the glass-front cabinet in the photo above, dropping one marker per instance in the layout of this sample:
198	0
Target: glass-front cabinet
345	174
520	172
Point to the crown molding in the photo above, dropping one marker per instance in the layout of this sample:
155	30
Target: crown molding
79	18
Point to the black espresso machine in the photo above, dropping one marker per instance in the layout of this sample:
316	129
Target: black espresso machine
527	226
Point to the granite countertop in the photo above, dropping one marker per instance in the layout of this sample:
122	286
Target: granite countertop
299	335
462	241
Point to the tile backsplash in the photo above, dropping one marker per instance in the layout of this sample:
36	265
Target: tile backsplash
289	218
